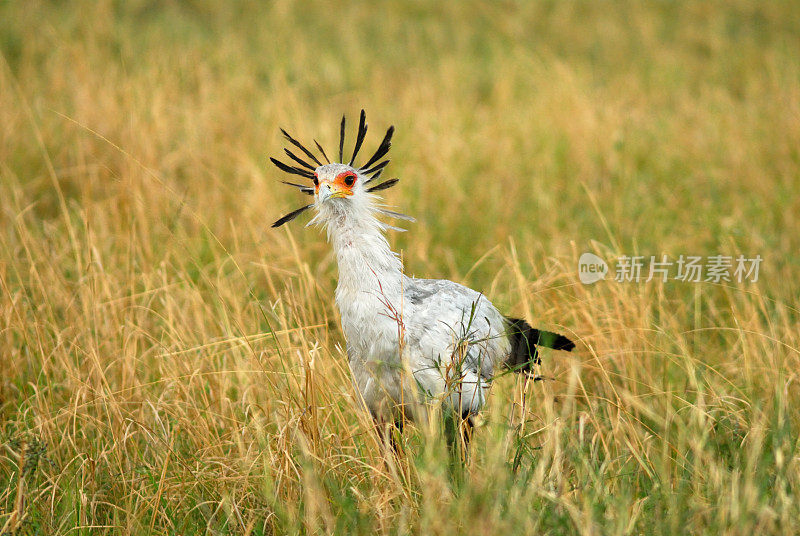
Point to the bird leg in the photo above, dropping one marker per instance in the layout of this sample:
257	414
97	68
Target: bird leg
458	433
389	432
394	436
466	427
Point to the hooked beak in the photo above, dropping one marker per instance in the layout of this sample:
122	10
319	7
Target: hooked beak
328	190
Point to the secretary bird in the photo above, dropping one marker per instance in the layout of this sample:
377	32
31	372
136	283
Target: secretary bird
409	340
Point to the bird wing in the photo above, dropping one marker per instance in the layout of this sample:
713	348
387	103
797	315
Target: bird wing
440	316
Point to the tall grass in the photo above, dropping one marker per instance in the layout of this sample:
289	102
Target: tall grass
170	365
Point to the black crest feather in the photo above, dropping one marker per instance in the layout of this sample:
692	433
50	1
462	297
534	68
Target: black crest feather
383	185
292	215
341	142
291	169
383	148
300	146
377	168
299	160
305	189
374	177
322	151
362	133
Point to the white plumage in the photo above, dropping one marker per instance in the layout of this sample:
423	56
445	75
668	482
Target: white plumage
410	342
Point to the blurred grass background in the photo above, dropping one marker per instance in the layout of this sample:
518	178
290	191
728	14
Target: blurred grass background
171	365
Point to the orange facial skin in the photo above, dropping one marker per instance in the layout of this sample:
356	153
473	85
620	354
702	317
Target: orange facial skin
342	185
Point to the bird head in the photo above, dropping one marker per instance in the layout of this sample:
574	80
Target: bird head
339	189
336	181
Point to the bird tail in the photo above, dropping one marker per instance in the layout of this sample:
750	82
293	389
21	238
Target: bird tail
524	342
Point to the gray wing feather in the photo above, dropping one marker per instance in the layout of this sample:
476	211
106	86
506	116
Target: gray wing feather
441	314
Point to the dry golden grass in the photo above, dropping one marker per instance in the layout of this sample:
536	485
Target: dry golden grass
171	365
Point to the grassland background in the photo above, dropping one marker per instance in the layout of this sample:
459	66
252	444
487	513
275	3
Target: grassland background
170	365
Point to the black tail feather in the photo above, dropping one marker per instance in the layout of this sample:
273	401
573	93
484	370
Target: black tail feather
525	341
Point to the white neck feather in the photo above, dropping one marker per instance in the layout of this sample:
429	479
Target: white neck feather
370	273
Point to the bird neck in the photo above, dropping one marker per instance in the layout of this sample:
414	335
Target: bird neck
368	268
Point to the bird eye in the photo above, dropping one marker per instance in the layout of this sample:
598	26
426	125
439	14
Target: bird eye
349	180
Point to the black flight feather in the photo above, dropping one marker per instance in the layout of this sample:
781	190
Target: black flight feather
382	149
291	169
292	215
300	146
383	185
299	160
362	132
322	151
341	142
548	339
525	341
